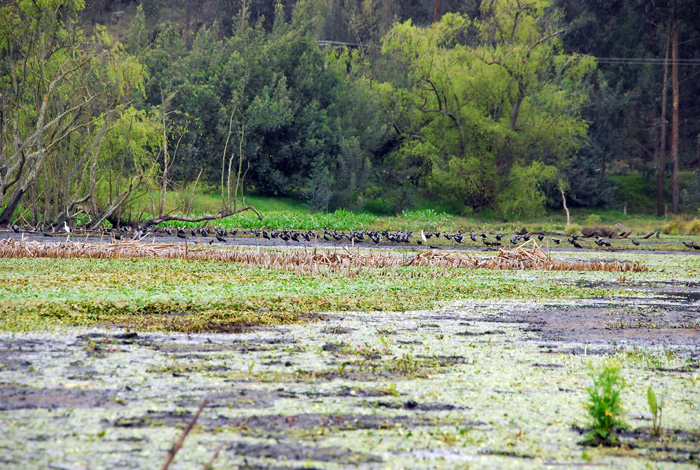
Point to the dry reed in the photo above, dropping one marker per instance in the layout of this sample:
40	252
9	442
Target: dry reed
316	261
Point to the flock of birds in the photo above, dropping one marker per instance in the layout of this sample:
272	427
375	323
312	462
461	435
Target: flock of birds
210	235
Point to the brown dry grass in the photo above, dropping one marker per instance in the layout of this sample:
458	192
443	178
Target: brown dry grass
313	261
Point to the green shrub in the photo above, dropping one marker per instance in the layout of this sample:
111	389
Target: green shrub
522	196
604	403
694	228
593	219
573	229
672	227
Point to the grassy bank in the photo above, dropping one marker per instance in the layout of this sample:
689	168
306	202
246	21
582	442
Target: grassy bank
294	214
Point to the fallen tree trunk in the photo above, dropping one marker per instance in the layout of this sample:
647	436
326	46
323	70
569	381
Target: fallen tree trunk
222	215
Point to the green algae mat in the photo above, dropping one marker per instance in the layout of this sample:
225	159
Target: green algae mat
103	363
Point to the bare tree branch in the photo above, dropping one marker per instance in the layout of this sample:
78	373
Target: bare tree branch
222	215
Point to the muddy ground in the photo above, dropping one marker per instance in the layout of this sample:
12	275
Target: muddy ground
466	385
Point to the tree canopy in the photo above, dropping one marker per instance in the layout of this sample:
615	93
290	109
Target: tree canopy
488	106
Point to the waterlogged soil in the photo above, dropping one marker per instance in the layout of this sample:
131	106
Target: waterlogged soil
474	384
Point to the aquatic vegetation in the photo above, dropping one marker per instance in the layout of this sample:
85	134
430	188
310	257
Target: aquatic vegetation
604	404
191	296
656	406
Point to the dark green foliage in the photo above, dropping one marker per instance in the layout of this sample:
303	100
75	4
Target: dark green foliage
151	8
292	105
457	112
319	189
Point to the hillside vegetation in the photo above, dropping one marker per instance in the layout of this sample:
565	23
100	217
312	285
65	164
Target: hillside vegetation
491	110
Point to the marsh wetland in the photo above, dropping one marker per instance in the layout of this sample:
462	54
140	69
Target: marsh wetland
104	362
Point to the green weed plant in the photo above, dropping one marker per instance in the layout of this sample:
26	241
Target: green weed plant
656	406
604	403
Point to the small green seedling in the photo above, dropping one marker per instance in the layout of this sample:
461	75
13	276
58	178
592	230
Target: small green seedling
656	406
385	343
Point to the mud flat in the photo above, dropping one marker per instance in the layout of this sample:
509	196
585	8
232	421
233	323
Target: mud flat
470	384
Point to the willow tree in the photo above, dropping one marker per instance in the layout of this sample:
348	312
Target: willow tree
61	92
489	97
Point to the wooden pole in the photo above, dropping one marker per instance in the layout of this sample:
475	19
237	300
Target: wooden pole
661	164
675	193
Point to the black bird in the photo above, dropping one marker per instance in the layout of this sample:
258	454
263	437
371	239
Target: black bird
635	243
575	243
179	235
690	244
473	236
514	239
192	231
556	240
15	228
540	237
265	235
168	231
220	238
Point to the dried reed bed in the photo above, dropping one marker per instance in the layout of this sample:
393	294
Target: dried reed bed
312	261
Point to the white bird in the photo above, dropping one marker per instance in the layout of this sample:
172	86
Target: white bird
422	235
66	227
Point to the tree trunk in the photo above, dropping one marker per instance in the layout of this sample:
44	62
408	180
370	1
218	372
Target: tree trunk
6	215
661	165
675	193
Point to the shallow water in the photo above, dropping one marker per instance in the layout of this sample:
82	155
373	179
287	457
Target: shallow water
470	384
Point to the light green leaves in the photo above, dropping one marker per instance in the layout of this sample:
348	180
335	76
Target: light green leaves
656	406
489	98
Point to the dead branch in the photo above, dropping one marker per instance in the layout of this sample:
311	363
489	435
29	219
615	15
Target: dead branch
210	464
178	445
222	215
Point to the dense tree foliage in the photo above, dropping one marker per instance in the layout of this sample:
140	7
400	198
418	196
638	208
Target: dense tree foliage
491	100
486	106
